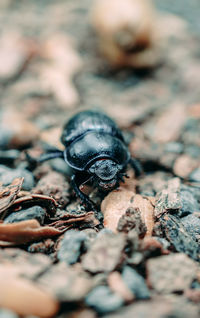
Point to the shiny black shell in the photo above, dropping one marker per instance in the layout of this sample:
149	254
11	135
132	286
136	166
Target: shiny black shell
89	136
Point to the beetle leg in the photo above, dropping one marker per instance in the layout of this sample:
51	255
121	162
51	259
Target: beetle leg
135	164
121	177
51	155
33	162
84	198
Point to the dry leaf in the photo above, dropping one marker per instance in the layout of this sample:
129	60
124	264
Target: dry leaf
69	220
36	199
26	231
8	194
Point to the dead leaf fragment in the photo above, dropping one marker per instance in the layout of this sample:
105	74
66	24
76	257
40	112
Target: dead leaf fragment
8	194
69	220
24	297
26	231
36	199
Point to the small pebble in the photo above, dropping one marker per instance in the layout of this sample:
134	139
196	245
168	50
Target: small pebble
35	212
70	248
175	147
195	175
103	300
7	175
135	283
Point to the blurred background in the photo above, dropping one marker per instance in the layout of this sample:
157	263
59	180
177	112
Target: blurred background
59	57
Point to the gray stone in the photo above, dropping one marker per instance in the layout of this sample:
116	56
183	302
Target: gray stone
35	212
135	283
70	248
103	300
7	175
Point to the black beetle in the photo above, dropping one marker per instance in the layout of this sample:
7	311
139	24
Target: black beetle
96	150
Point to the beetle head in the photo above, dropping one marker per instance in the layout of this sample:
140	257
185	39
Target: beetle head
106	172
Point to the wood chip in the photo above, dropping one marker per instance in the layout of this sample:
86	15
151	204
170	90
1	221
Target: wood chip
117	202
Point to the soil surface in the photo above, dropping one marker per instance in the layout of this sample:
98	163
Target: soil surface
137	253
